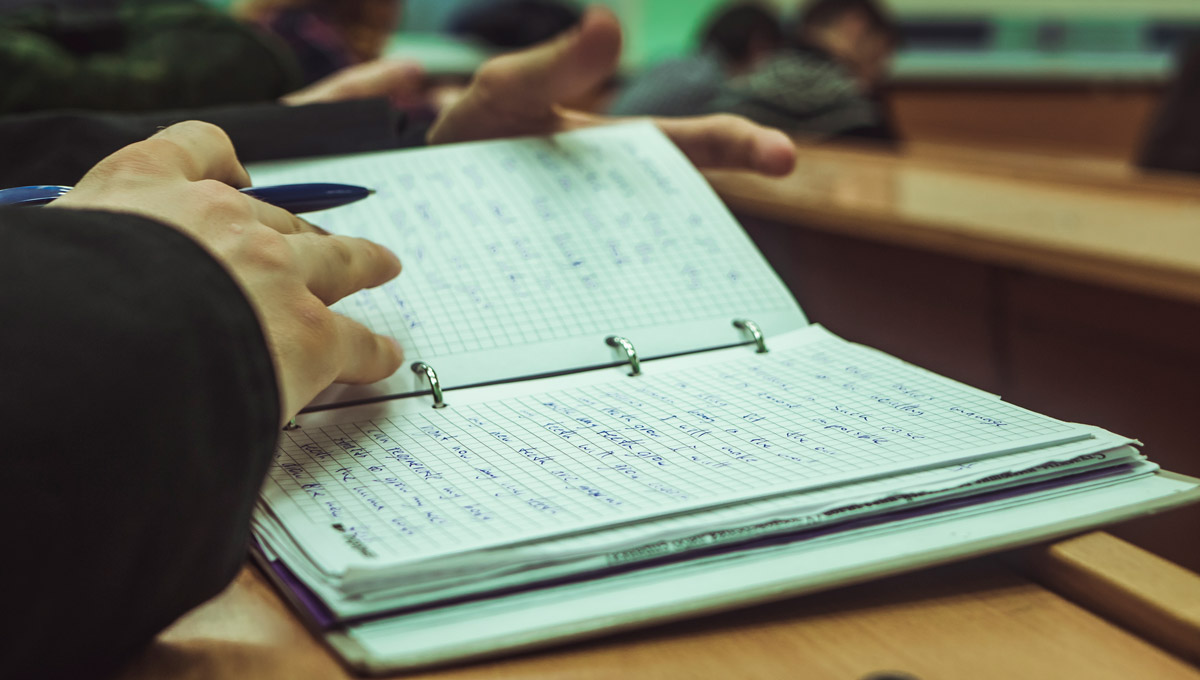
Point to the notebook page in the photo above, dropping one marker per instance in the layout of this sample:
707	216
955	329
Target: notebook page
521	256
402	482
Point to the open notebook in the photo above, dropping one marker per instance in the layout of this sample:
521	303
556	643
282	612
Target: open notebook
522	258
397	521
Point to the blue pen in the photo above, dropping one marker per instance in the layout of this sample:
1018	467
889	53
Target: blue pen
296	198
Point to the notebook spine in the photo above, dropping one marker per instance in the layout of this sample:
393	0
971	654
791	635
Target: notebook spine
616	341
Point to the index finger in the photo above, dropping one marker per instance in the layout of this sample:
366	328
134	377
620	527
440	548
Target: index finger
336	266
199	151
726	141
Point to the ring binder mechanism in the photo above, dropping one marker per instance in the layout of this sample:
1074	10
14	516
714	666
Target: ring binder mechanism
434	385
635	365
754	331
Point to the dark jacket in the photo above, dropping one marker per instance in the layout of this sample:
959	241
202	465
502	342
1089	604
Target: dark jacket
58	147
136	55
140	410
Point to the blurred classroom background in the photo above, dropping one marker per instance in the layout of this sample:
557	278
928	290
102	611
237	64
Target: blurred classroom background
999	36
1054	76
1070	76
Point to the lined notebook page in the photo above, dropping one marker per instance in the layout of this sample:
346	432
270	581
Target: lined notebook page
404	482
521	256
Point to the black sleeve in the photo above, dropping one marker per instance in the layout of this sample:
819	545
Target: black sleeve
138	411
58	147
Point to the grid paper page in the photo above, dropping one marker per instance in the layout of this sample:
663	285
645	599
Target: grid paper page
524	245
413	483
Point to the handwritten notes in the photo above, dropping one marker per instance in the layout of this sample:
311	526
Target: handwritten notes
513	243
579	452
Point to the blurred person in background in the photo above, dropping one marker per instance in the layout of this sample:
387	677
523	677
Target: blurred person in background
735	40
146	55
130	55
325	36
824	83
1173	139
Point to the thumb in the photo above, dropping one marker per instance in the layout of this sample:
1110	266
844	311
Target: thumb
570	65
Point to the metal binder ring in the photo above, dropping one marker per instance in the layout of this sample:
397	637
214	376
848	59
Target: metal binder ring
755	332
635	366
434	385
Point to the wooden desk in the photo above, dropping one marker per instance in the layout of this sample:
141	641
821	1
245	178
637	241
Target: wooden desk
1085	221
982	619
1067	286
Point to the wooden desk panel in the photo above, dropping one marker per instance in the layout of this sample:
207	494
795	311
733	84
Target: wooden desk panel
980	619
1126	361
922	307
1143	592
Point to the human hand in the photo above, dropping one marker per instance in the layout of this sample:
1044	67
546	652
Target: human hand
185	176
522	93
401	81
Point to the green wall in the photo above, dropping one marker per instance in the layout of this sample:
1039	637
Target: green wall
657	29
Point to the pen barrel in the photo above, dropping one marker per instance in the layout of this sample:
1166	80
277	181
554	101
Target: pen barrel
300	198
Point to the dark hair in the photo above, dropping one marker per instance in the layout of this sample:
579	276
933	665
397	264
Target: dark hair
731	30
513	24
821	13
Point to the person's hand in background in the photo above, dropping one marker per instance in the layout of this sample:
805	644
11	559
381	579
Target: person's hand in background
521	93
